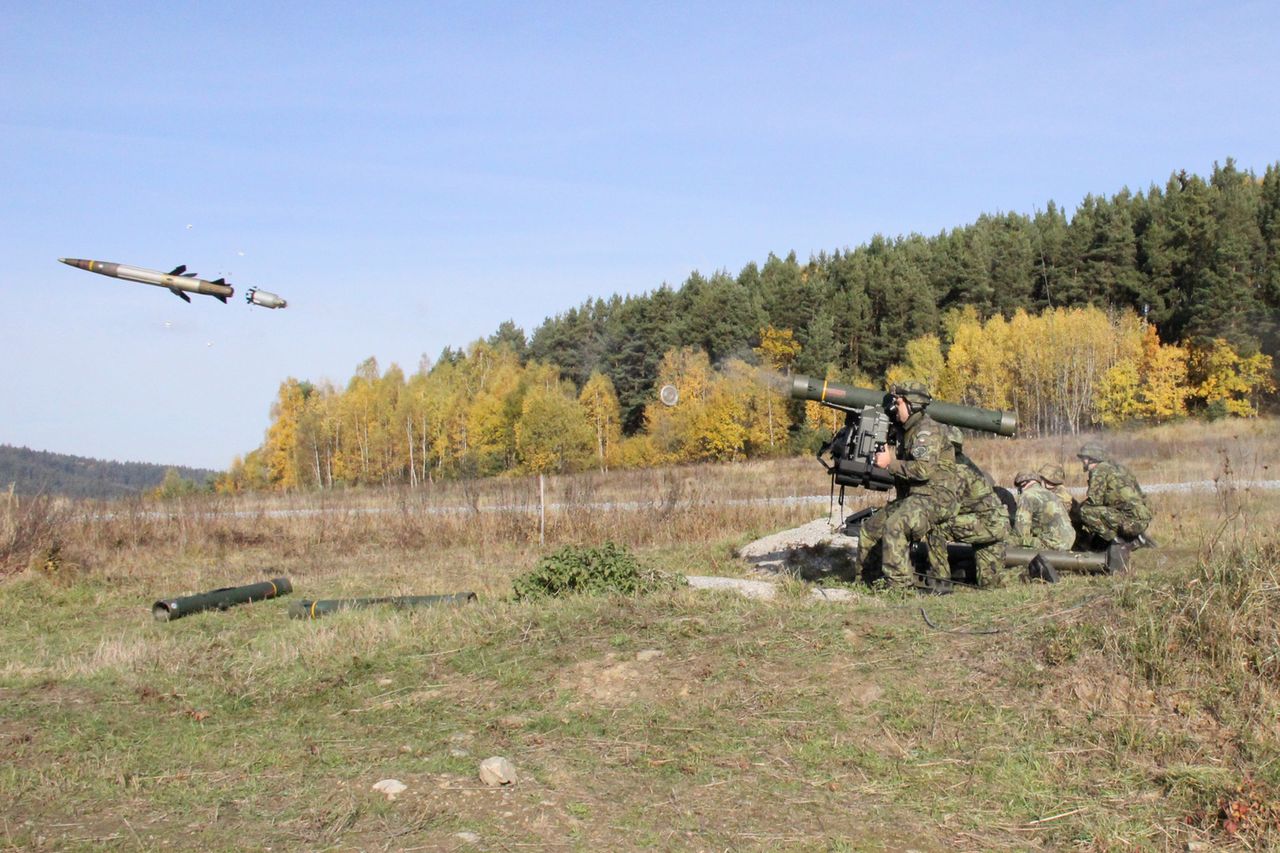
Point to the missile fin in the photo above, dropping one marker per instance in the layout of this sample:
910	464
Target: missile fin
179	294
179	270
220	281
219	297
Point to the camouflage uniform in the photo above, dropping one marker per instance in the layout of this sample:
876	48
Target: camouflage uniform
1115	507
1052	476
981	519
1042	521
924	477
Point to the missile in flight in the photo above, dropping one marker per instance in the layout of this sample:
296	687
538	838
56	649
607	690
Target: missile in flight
177	281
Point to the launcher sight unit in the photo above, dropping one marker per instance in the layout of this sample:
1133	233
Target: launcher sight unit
852	450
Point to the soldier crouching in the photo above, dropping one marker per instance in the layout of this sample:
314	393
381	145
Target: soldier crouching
981	519
1115	510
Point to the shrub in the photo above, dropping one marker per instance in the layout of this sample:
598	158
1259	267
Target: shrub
611	568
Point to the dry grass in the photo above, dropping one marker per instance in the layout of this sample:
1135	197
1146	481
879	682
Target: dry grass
1107	714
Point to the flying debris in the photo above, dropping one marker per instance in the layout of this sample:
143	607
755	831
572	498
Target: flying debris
265	298
177	281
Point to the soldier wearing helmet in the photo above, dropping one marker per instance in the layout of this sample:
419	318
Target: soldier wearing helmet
1042	521
981	519
1115	510
1052	477
922	463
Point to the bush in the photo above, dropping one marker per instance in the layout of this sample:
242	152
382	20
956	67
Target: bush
610	568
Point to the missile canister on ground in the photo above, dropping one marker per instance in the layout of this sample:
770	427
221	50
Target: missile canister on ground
1111	561
960	556
850	397
304	609
169	609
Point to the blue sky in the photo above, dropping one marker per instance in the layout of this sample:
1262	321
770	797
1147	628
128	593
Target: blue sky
409	175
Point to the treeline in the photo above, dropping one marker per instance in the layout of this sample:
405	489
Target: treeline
39	472
487	412
1195	261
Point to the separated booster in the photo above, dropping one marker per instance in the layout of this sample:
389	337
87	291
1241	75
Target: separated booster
265	298
178	281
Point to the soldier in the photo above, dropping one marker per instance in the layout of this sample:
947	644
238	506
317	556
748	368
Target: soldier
1042	521
1114	510
922	463
1052	477
981	519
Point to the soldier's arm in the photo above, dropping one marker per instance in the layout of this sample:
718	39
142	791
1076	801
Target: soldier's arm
923	458
1101	486
1023	520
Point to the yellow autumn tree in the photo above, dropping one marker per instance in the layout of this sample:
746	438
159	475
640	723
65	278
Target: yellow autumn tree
778	349
491	375
978	370
924	363
1118	400
553	434
1226	383
600	402
1164	379
281	450
674	428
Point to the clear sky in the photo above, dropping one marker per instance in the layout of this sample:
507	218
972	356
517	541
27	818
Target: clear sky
409	175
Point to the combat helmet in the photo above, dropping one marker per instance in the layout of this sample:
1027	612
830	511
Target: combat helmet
1052	474
1092	450
914	392
1024	477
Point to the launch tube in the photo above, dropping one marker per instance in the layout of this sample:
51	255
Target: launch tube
849	397
303	609
168	609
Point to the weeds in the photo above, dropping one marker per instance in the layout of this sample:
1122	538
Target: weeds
33	534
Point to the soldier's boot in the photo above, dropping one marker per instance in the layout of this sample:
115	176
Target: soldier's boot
1118	557
1039	569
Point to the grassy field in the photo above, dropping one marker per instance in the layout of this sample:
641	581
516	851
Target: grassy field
1135	712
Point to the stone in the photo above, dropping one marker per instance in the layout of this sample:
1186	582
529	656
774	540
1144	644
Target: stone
497	771
390	787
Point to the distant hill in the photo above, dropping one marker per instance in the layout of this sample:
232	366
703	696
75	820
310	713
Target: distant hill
35	472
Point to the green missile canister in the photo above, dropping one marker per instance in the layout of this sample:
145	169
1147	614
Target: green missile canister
1110	562
304	609
168	609
850	398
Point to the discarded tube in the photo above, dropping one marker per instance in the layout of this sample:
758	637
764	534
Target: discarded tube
168	609
303	609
